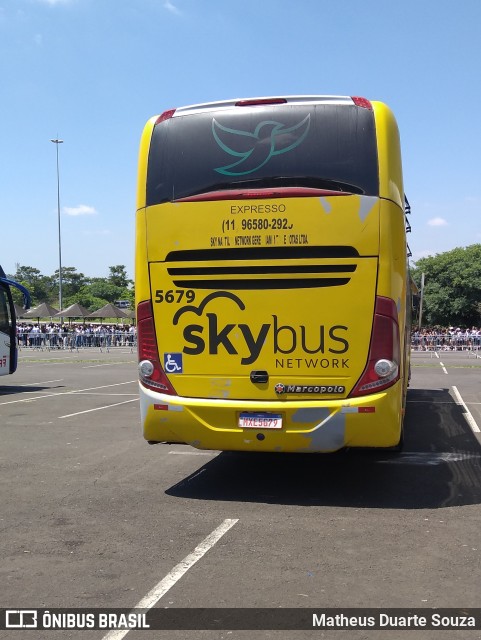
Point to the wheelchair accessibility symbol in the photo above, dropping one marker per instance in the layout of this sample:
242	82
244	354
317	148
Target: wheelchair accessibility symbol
173	362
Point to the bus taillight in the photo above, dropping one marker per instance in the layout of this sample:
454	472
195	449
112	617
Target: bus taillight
362	102
382	369
260	102
151	373
165	116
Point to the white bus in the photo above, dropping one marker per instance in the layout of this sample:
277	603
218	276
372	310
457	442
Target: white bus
8	328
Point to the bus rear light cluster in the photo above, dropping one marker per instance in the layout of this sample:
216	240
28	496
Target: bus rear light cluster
259	102
385	368
364	103
151	374
165	116
382	369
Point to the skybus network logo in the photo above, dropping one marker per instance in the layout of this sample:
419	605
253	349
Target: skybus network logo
214	336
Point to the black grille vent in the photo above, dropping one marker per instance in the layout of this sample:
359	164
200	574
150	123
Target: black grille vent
206	276
262	253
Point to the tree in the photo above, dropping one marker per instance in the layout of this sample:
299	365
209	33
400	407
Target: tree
41	288
76	287
125	287
102	288
87	300
118	276
72	281
452	291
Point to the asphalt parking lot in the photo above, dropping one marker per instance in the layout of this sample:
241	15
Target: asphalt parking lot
92	516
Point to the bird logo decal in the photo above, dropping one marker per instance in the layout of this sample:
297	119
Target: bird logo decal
254	150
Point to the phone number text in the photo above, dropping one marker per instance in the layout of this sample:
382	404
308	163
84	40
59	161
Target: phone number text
257	224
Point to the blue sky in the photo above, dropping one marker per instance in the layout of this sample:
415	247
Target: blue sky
93	71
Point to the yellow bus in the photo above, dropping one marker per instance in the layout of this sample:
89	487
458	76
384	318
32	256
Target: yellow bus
272	286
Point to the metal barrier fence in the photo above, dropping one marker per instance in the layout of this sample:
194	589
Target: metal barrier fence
446	342
108	339
75	341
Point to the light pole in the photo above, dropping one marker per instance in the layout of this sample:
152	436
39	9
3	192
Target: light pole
56	141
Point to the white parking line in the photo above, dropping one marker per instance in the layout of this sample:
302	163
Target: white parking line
443	368
193	453
176	574
429	458
467	413
104	364
30	384
109	395
66	393
11	391
70	415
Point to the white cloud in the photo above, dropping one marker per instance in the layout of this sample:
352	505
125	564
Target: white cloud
172	8
81	210
437	222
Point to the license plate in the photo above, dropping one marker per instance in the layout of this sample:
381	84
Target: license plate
260	421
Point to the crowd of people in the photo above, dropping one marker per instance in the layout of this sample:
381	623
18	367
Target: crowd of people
75	336
446	339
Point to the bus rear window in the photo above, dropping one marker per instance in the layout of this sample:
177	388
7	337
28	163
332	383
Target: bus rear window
317	145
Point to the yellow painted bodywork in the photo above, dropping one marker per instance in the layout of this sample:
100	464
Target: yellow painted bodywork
302	336
320	426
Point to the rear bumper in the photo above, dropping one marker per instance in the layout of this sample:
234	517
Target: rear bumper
308	426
